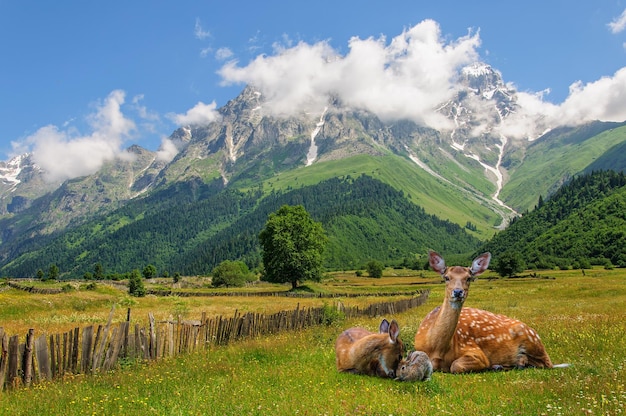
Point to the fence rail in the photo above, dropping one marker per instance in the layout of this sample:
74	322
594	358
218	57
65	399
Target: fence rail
92	349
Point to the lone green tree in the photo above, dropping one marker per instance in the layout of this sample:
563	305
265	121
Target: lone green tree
149	271
135	284
375	269
509	263
231	273
98	272
292	246
53	272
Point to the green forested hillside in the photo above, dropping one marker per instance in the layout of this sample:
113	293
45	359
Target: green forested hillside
584	222
364	219
543	166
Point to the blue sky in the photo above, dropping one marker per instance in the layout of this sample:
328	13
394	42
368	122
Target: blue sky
90	77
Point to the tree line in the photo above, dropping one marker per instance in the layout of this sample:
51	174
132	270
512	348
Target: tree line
364	219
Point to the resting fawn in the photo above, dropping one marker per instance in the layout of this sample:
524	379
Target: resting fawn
460	340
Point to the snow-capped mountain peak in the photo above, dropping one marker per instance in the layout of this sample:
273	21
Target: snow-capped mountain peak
10	171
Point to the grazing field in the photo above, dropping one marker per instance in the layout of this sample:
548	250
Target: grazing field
580	319
79	306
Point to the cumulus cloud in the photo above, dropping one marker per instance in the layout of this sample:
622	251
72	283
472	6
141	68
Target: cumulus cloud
65	154
599	100
168	150
618	24
405	78
201	113
410	77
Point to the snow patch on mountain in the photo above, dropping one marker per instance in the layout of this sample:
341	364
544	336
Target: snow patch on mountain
10	171
312	154
425	167
495	170
477	69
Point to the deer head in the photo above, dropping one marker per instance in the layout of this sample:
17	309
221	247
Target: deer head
458	278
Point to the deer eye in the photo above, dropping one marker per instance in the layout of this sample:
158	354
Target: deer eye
446	277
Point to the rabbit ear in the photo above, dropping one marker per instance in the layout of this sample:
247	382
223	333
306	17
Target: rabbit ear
394	331
413	357
384	327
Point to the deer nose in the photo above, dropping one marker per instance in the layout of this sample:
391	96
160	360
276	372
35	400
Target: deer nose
457	293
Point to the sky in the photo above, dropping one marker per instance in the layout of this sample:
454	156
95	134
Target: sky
80	81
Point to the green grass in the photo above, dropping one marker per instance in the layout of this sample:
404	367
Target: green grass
580	319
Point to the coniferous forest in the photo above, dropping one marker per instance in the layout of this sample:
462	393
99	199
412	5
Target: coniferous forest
364	219
192	227
582	224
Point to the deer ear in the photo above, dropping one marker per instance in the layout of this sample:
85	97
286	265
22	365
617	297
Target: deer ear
480	264
394	331
384	327
436	262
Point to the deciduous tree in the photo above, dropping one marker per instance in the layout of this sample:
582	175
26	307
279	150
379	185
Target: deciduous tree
292	246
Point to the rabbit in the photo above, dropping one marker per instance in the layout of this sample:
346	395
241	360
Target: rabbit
415	367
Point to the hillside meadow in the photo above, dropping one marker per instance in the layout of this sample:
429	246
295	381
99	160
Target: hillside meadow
579	317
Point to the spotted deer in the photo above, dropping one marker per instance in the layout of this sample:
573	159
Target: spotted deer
360	351
461	340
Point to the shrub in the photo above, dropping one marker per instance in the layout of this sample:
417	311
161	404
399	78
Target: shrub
135	284
331	314
375	269
231	273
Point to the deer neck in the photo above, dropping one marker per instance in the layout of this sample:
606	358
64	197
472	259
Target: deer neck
445	325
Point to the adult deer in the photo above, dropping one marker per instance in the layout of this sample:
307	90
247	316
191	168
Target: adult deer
360	351
460	340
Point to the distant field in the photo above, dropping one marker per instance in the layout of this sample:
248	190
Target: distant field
81	307
580	319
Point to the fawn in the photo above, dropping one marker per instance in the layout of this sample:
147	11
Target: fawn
460	340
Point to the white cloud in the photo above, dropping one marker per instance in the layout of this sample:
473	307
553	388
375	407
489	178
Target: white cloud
618	24
64	154
407	77
223	53
200	114
199	32
599	100
167	151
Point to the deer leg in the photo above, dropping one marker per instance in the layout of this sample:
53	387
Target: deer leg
475	361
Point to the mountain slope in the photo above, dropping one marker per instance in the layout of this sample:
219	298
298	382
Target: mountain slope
364	218
583	220
557	156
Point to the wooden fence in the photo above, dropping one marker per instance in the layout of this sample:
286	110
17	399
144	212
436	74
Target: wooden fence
89	350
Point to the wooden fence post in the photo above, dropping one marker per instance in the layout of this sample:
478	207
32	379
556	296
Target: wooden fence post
87	351
43	358
152	337
127	329
27	359
4	353
12	360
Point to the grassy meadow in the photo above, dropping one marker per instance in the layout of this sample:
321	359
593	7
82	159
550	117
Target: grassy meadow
579	317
